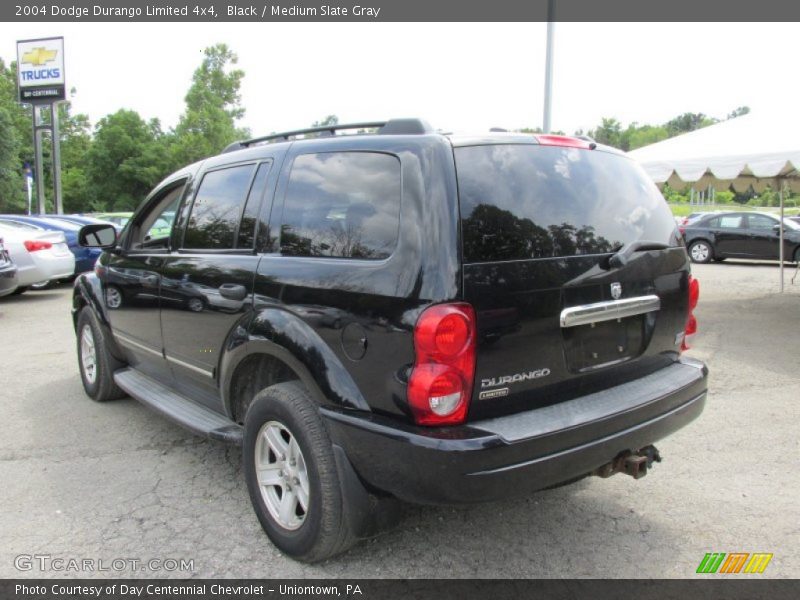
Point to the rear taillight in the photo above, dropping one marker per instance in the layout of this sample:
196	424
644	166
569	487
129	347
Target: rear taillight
691	322
35	245
566	141
682	229
440	385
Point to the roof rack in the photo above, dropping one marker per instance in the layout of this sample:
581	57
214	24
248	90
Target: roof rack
391	127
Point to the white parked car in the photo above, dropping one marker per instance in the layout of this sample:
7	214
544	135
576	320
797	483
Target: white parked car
40	256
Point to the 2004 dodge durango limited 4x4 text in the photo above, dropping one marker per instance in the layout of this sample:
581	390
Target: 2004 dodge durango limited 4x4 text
397	314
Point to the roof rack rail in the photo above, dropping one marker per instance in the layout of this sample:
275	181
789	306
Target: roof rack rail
391	127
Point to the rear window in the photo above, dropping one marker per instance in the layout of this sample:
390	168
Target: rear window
529	201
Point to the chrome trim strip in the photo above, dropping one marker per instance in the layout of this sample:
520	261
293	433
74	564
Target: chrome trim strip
609	311
185	365
125	340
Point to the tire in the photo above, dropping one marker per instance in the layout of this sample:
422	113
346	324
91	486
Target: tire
98	382
195	305
20	290
319	529
701	252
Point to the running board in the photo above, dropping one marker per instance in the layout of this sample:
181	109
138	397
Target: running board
178	408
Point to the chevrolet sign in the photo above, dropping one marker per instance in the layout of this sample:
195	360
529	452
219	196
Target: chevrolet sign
40	70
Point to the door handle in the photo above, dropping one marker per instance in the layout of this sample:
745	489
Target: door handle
233	291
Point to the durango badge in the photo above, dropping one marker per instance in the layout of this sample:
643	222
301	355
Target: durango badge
516	378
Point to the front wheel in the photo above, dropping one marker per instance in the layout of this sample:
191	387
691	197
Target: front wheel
96	363
291	474
701	252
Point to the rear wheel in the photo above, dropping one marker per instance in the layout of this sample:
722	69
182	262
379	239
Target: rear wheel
96	363
291	474
195	304
701	252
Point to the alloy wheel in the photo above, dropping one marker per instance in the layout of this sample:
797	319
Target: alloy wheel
282	475
88	354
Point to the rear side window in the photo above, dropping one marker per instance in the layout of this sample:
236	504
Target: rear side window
727	222
530	201
217	208
342	204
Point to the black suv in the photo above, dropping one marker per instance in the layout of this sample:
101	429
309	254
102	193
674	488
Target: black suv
399	314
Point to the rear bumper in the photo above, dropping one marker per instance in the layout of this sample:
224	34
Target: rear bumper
524	452
54	266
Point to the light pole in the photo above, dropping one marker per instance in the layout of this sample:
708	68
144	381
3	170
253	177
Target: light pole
548	67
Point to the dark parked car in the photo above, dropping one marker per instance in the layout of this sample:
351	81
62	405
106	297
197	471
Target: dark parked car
84	257
741	235
408	315
8	272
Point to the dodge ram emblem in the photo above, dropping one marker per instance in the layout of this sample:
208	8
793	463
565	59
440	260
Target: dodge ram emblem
616	290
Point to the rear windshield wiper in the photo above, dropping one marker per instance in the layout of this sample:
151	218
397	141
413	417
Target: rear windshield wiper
623	255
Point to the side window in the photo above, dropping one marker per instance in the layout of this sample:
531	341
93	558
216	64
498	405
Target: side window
152	229
760	222
214	216
342	204
247	228
713	223
730	222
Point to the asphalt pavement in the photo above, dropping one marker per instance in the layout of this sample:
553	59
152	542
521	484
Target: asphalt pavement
119	486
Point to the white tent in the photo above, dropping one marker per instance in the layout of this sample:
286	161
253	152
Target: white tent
748	151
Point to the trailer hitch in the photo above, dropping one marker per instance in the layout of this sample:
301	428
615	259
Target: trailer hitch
630	463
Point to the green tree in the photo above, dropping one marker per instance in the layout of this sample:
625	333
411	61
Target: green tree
329	120
645	135
12	193
16	144
609	132
688	122
126	159
213	105
76	140
738	112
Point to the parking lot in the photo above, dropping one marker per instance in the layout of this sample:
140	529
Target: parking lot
82	480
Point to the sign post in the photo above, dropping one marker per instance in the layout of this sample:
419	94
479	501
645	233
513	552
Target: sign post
41	82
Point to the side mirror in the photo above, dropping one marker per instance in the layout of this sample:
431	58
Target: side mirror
97	236
776	228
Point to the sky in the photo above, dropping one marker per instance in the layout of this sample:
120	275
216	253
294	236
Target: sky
457	76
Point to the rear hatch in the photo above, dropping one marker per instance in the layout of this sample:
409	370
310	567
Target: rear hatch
574	266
